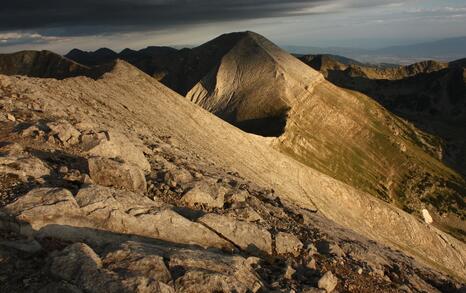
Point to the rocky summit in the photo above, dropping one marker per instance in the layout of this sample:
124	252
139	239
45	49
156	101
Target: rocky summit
265	177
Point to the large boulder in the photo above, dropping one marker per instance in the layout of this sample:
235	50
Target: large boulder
39	209
130	213
286	243
143	267
80	265
247	236
16	161
112	144
203	270
177	176
328	282
101	215
205	194
64	131
113	173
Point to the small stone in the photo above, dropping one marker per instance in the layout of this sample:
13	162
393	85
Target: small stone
427	217
311	249
286	243
289	272
178	176
247	236
112	173
197	175
241	196
326	247
328	282
31	131
360	271
311	264
63	169
252	261
86	179
51	139
10	117
64	131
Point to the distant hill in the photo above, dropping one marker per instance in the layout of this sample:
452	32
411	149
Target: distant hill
326	62
40	64
98	57
451	48
444	50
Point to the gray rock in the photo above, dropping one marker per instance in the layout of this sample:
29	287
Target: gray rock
328	282
54	212
142	263
311	264
290	271
31	131
246	235
10	117
204	194
201	281
80	265
112	144
14	160
39	208
112	173
204	271
240	196
64	131
246	214
178	176
327	247
286	243
127	212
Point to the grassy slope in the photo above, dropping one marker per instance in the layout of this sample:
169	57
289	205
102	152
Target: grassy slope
350	137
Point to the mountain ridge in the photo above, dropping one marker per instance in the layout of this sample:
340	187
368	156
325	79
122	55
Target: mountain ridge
145	106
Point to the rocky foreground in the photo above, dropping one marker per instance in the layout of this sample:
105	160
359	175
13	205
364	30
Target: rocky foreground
86	206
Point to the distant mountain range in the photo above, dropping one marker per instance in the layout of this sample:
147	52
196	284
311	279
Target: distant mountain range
442	50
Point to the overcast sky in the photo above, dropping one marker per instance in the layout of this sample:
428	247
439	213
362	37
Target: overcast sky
60	25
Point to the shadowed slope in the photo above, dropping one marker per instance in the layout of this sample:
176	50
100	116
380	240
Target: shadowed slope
99	57
40	64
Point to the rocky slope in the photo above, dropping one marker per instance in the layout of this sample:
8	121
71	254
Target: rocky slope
119	184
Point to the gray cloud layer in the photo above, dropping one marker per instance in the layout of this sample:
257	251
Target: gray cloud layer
88	17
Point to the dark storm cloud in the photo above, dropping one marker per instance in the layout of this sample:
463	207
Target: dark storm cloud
88	17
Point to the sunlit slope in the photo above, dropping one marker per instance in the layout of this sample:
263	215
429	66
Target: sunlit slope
128	99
